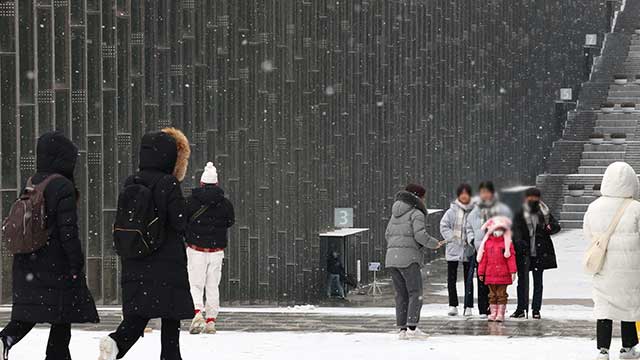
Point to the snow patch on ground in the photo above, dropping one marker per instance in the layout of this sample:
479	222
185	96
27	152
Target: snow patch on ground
323	346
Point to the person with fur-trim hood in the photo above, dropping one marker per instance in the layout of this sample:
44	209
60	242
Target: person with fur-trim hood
157	285
210	215
407	238
497	264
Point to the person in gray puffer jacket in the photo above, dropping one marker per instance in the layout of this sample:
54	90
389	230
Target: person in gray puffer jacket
459	238
407	238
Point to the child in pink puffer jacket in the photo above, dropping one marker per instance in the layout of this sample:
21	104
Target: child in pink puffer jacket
497	264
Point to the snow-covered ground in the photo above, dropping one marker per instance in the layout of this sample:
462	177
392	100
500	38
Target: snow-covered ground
569	281
323	346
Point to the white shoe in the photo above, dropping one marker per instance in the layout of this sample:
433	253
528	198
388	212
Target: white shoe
108	349
483	316
4	352
416	334
468	312
603	355
402	335
453	311
629	353
197	324
210	328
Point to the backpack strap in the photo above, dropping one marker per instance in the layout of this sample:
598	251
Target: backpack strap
43	184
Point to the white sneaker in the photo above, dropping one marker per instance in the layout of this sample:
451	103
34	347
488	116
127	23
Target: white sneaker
108	349
483	316
210	328
416	334
197	324
402	335
4	352
603	355
629	353
453	311
468	312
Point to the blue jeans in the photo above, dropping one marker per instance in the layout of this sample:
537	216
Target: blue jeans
334	283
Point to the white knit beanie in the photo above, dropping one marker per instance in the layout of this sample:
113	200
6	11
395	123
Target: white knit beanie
210	174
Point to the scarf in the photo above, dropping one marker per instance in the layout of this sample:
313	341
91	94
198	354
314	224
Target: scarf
488	209
533	220
462	211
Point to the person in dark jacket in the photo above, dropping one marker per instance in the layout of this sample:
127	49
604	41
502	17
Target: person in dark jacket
157	286
210	215
532	230
335	275
49	285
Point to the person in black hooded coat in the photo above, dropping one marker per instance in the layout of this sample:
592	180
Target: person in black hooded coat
157	286
49	285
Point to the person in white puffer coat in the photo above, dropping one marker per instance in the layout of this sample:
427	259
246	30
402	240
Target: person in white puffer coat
616	288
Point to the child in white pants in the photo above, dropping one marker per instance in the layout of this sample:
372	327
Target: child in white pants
210	215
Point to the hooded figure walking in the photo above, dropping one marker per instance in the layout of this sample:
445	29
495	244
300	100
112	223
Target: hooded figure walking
407	238
615	286
50	285
157	285
210	215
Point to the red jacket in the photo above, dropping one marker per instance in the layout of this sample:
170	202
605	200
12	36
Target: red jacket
495	268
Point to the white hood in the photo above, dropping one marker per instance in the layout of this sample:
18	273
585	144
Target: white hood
620	180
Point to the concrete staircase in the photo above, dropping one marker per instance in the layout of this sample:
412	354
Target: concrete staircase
574	160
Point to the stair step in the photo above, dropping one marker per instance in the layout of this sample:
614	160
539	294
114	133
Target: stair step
579	200
606	147
576	216
598	170
607	130
631	123
617	116
608	155
571	224
574	207
597	162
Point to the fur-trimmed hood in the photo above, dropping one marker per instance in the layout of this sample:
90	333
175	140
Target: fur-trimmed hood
493	224
406	201
167	150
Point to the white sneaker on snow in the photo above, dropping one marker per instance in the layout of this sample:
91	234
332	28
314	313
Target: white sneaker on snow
603	355
453	311
629	353
197	324
483	316
468	312
108	349
402	335
416	334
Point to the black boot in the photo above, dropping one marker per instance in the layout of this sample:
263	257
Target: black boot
520	314
536	314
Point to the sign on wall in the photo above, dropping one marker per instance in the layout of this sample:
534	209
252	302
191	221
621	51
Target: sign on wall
343	217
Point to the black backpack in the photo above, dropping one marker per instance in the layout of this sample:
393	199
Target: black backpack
138	230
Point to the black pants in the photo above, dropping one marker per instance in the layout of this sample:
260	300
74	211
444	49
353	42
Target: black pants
483	298
524	267
407	283
604	330
452	280
132	328
57	346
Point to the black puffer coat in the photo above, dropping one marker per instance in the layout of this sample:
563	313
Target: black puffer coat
157	286
546	254
49	285
209	230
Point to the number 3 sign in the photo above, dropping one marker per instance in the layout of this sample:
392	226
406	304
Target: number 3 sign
343	217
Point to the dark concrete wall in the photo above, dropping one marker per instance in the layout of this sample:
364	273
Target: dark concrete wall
304	105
